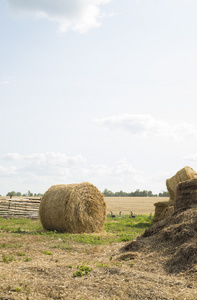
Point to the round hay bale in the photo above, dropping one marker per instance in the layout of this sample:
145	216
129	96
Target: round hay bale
182	175
186	194
73	208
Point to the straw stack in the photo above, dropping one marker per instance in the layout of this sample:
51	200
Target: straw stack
167	208
160	208
186	194
182	175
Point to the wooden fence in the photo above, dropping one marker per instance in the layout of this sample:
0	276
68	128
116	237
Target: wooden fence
19	207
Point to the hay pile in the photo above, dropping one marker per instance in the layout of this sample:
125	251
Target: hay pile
165	209
182	175
73	208
175	238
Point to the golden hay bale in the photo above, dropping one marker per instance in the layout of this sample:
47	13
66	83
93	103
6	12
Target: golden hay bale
186	194
73	208
159	209
182	175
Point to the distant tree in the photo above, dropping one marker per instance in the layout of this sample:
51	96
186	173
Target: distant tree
18	194
29	194
13	193
164	194
120	194
137	193
150	194
108	193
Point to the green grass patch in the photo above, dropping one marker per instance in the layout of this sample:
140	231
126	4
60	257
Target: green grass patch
82	270
27	259
102	265
117	230
7	259
21	254
47	252
62	246
12	246
17	289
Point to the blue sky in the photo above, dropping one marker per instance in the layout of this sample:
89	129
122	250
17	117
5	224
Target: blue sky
97	90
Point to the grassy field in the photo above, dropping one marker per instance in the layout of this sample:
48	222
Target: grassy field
138	205
116	230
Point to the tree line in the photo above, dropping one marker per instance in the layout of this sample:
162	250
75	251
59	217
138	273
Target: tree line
137	193
106	193
19	194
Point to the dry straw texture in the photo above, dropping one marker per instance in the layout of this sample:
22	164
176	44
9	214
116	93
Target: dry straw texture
182	175
186	194
175	237
173	240
160	207
165	209
73	208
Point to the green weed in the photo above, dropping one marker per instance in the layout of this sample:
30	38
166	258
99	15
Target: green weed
17	289
102	265
7	245
62	246
27	259
21	254
82	270
47	252
78	273
4	245
7	259
125	258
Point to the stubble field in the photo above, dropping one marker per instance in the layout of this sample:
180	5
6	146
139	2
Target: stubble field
138	205
35	264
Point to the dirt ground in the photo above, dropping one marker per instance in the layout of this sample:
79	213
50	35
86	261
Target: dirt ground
44	276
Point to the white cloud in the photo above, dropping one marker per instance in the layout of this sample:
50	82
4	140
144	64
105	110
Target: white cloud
192	157
121	175
11	157
4	82
78	15
7	171
144	125
38	171
48	164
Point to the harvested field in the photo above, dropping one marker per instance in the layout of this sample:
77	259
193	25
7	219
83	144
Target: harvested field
138	205
51	276
38	266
